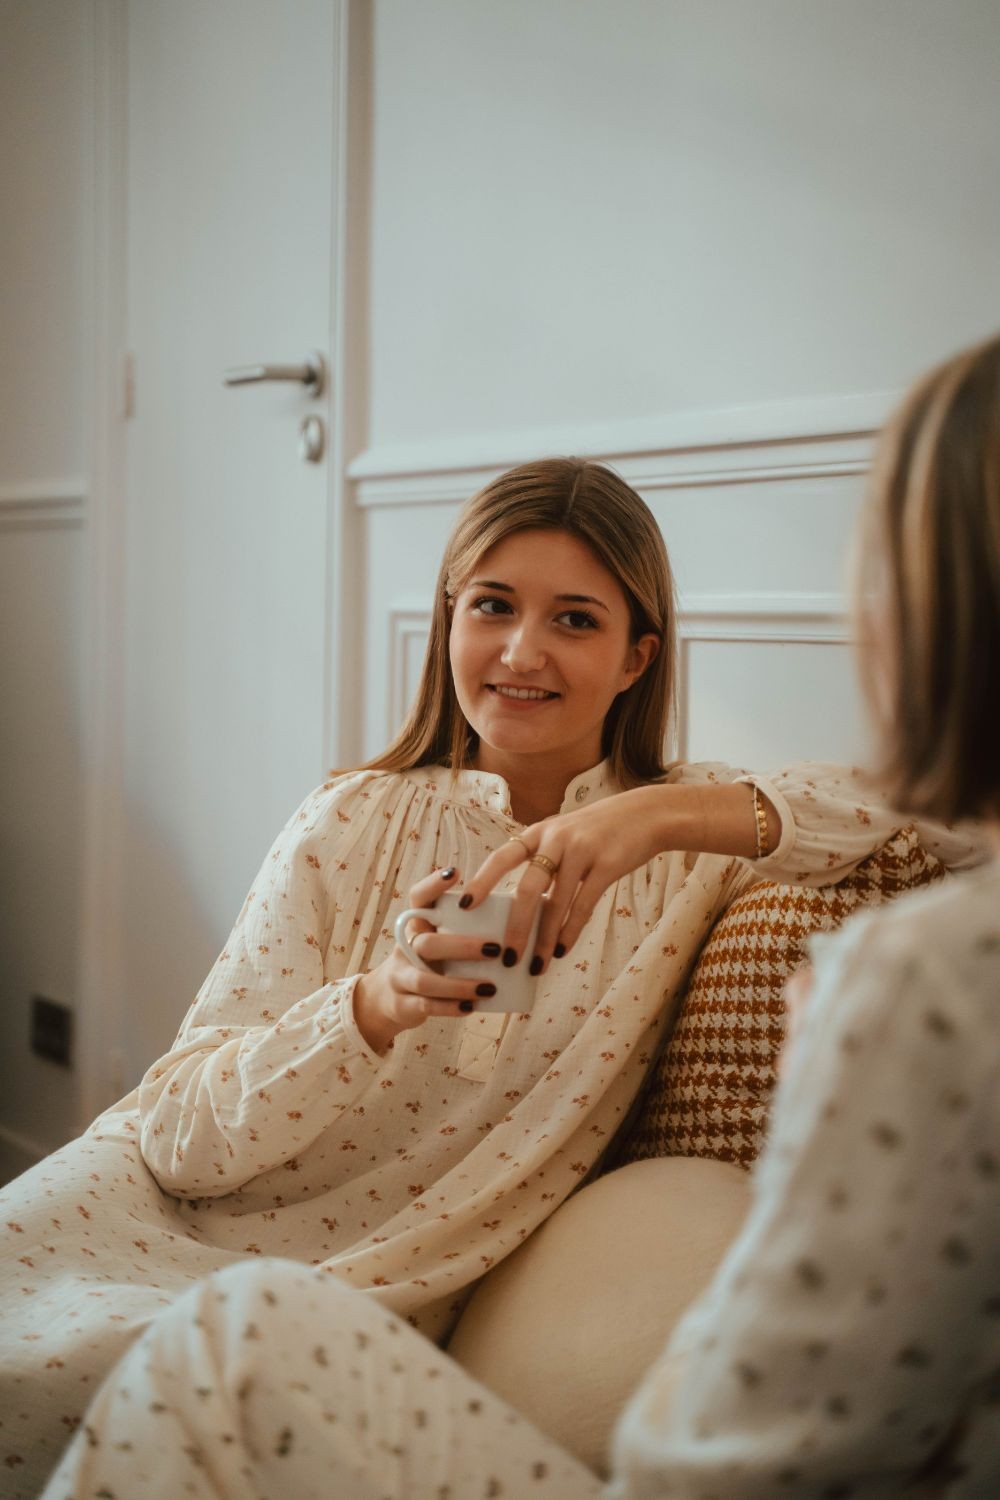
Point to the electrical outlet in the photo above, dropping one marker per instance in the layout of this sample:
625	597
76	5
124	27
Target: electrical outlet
52	1030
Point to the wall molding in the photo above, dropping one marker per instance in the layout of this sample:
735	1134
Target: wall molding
815	438
799	618
41	504
406	623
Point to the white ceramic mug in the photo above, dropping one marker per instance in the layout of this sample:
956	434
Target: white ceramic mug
515	986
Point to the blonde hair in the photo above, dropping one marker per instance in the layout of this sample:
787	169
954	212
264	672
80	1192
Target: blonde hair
929	559
587	501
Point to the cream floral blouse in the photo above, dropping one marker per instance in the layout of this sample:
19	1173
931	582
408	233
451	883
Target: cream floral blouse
271	1128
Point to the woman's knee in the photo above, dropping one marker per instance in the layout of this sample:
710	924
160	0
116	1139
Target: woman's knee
266	1315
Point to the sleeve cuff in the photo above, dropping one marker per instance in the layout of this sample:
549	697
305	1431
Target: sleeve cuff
786	839
351	1030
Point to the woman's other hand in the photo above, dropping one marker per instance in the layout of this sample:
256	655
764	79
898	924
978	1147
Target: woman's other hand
590	849
397	996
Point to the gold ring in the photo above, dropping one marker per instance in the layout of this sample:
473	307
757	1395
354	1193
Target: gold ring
544	863
518	840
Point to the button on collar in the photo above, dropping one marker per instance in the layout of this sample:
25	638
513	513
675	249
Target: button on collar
590	786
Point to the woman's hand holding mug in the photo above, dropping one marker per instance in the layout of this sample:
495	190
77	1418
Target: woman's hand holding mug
399	995
514	975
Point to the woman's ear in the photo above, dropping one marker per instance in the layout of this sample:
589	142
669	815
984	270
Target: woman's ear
640	654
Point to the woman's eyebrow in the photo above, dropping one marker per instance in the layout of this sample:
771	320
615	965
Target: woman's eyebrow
506	588
583	599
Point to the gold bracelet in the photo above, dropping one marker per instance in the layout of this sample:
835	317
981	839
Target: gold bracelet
760	818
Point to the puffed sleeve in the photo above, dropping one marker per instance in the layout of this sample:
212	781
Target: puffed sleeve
270	1053
841	1338
832	817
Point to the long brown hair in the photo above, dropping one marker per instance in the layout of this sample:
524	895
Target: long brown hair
591	502
928	570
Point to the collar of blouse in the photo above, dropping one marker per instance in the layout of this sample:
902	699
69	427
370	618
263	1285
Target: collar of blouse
489	791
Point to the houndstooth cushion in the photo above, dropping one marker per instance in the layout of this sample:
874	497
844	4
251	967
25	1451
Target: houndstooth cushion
710	1092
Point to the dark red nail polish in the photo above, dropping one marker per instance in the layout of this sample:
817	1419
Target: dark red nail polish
465	901
559	950
491	950
448	873
509	958
535	967
465	1005
486	990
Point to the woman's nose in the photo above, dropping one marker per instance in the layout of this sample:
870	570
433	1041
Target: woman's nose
522	650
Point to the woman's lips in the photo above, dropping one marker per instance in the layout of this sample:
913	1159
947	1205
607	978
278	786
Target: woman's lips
522	697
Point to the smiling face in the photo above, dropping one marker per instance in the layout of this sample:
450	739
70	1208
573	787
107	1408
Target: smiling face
540	647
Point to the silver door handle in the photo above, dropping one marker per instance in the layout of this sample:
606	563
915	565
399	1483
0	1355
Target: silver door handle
311	374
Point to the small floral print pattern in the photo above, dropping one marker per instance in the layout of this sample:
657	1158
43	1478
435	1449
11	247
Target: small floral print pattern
271	1129
229	1395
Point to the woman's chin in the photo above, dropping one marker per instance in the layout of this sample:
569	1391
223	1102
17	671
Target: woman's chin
512	744
513	739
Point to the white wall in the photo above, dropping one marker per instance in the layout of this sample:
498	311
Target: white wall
45	129
706	240
588	212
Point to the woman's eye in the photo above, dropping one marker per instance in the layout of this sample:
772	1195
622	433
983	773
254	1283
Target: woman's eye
491	605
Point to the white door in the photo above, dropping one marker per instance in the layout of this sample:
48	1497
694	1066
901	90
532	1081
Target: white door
230	192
